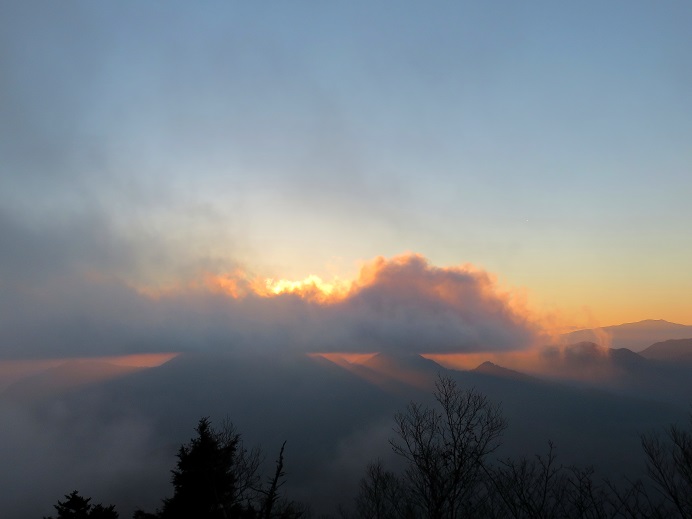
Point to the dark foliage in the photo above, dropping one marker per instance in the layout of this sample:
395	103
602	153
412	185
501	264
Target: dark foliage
78	507
205	480
216	477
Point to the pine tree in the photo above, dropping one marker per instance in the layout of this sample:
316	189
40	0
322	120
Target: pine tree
78	507
204	482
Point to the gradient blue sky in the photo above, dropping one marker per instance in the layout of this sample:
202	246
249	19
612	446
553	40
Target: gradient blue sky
546	142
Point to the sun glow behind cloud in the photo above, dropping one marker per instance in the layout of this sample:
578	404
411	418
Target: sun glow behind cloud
402	304
401	277
392	272
239	284
312	287
460	304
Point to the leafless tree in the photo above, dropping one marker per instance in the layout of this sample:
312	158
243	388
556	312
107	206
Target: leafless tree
530	488
381	495
247	461
540	488
669	465
445	448
274	505
633	501
586	498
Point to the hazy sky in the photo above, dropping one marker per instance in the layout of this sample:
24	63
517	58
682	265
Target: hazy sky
545	142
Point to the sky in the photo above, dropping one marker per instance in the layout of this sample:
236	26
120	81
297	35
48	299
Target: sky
505	164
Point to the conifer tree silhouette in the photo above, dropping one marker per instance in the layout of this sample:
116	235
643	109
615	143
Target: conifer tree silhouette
204	481
78	507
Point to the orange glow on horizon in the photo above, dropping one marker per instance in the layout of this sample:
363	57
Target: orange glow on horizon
79	371
519	360
136	360
345	358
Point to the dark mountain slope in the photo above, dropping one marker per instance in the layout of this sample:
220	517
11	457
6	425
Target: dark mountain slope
674	350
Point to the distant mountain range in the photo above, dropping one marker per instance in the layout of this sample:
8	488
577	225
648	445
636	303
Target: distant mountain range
634	336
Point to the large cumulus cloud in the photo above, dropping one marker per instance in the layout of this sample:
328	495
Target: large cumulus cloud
406	304
65	296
